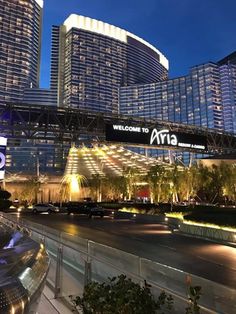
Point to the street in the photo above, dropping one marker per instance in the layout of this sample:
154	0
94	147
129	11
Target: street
156	242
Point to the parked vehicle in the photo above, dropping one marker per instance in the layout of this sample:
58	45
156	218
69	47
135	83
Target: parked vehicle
89	209
40	208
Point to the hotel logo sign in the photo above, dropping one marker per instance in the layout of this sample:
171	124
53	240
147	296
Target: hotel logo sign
154	137
163	137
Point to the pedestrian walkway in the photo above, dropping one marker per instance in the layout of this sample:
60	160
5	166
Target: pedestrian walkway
49	305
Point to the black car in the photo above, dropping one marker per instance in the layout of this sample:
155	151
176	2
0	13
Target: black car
89	209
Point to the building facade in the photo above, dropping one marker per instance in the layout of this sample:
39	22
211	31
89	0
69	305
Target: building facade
98	67
205	97
228	90
20	42
92	59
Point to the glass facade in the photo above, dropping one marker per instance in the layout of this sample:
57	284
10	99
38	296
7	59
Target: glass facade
20	40
228	89
98	67
39	96
35	157
206	97
92	59
194	99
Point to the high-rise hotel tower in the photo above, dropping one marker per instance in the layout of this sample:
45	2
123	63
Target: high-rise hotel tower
92	59
20	41
205	97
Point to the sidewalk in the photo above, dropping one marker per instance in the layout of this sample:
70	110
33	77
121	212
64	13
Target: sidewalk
48	304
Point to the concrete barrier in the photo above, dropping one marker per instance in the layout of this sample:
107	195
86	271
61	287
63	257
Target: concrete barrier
209	233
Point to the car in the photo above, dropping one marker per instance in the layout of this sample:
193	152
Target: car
89	209
42	208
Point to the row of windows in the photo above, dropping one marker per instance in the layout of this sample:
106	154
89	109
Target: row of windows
196	98
19	47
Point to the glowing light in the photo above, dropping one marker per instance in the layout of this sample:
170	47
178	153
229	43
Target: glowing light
74	184
3	141
99	27
40	3
208	225
175	215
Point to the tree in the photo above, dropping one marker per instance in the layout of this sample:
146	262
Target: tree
31	190
173	178
205	182
114	187
131	176
189	182
95	186
156	179
228	180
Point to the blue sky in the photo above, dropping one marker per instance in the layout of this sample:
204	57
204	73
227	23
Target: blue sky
187	32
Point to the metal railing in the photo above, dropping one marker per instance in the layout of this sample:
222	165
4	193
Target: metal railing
76	261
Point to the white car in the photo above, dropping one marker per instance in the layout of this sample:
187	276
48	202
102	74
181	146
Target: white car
42	208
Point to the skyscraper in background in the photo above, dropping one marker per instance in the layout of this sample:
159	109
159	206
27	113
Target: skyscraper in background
20	45
205	97
228	90
91	59
98	67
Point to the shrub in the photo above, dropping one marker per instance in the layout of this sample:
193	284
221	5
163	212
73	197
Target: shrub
5	204
4	195
194	295
121	296
221	219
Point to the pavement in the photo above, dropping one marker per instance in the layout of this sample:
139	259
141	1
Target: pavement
48	304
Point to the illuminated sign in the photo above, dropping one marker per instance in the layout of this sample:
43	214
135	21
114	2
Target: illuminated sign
162	137
154	137
3	144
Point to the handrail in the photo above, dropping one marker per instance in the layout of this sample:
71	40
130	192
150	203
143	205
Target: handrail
59	240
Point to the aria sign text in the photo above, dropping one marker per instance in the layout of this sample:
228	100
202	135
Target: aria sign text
154	137
163	137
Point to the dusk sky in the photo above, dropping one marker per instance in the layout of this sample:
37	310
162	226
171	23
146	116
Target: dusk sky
187	32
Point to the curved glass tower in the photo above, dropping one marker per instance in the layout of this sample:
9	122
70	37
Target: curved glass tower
20	40
92	59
